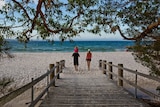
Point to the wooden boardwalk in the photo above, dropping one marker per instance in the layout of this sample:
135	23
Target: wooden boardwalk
88	89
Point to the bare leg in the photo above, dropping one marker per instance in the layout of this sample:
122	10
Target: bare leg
88	64
76	67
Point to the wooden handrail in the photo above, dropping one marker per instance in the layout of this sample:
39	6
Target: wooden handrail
43	92
15	93
110	73
138	73
19	91
49	85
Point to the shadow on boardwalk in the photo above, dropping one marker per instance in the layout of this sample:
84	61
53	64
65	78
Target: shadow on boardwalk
88	89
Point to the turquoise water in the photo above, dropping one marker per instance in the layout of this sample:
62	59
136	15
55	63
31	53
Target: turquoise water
67	46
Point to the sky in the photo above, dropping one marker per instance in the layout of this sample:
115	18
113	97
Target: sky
2	2
95	37
85	36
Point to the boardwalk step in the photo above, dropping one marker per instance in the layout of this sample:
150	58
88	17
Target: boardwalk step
87	93
90	101
88	90
122	97
90	105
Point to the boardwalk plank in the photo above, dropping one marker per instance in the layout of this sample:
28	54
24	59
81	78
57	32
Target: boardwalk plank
88	89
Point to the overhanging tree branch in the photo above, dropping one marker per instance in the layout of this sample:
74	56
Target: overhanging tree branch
25	11
37	13
62	29
143	34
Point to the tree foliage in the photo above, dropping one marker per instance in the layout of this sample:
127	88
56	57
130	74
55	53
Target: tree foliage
47	18
136	20
4	48
142	24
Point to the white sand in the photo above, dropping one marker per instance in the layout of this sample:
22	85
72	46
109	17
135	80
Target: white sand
25	66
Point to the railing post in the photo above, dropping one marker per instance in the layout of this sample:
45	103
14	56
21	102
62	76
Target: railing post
104	66
52	73
120	74
47	81
100	64
32	95
136	85
61	66
110	70
57	70
63	63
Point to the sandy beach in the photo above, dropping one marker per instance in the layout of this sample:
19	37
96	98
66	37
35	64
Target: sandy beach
25	66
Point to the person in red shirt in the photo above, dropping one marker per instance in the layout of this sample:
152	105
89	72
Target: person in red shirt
76	49
88	58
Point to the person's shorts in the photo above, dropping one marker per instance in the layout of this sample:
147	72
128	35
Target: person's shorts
75	62
88	59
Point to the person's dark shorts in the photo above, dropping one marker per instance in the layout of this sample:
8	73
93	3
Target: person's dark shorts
76	62
88	59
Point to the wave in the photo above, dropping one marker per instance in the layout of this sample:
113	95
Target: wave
96	46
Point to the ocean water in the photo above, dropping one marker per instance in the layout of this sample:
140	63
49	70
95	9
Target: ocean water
67	46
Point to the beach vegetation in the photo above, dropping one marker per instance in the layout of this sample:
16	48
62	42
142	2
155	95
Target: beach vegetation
4	84
4	48
134	20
